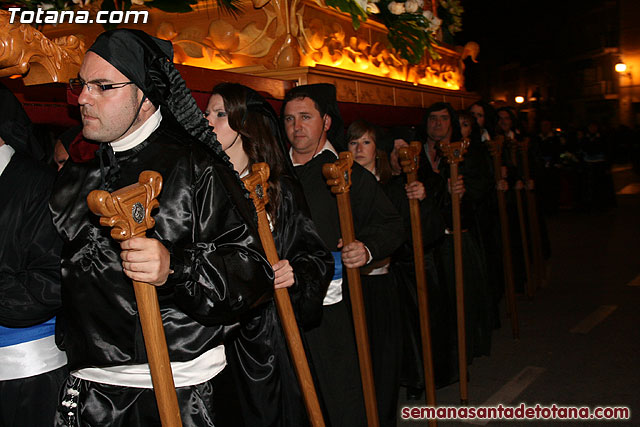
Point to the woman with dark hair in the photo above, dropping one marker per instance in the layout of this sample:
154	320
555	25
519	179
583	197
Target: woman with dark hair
247	127
485	115
379	288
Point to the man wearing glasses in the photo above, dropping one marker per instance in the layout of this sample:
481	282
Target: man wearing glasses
203	255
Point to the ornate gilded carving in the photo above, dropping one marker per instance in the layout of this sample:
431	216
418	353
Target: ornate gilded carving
26	51
282	34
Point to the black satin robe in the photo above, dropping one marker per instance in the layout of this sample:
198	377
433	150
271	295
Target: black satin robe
29	245
268	388
205	221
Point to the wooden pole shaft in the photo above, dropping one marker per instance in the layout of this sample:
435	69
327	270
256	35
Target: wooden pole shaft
506	247
157	353
523	233
423	299
457	250
534	223
128	212
257	184
358	313
291	331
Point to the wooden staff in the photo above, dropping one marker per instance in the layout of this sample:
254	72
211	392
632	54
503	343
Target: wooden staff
257	184
454	152
532	209
410	157
523	227
128	211
495	147
338	176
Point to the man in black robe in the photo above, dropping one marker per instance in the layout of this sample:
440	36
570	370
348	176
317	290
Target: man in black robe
203	255
312	123
32	368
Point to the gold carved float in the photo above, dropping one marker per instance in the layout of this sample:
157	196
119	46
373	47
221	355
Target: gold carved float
299	40
26	51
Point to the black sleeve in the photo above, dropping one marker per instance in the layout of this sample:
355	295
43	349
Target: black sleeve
298	241
224	273
30	253
377	223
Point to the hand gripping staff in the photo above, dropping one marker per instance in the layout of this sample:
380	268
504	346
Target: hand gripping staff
257	184
338	176
454	152
409	158
495	148
531	286
128	211
532	209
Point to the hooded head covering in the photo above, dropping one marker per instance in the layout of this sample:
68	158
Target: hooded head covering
324	97
15	126
147	61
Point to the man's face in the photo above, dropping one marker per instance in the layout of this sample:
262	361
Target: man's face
504	121
305	127
107	116
439	125
478	113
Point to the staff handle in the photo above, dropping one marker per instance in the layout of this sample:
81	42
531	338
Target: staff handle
532	209
523	227
410	160
338	176
495	148
454	152
257	184
128	211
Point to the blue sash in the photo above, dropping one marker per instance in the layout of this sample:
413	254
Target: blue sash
13	336
337	260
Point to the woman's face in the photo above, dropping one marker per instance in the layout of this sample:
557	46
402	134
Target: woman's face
364	151
465	127
217	117
478	113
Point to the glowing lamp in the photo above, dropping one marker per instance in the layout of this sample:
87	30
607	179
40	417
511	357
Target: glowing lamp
519	99
621	67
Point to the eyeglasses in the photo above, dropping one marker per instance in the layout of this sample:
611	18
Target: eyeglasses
76	86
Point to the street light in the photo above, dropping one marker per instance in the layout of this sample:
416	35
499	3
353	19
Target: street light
519	99
621	67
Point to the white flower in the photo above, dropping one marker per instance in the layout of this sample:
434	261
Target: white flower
362	4
46	6
396	8
412	6
434	23
372	8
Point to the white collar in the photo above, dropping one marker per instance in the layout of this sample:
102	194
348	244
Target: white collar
139	135
6	151
326	147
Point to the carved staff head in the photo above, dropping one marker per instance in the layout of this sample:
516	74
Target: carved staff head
257	185
454	151
410	157
338	174
128	210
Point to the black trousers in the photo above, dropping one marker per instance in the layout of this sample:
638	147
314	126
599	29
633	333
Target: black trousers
88	403
31	401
